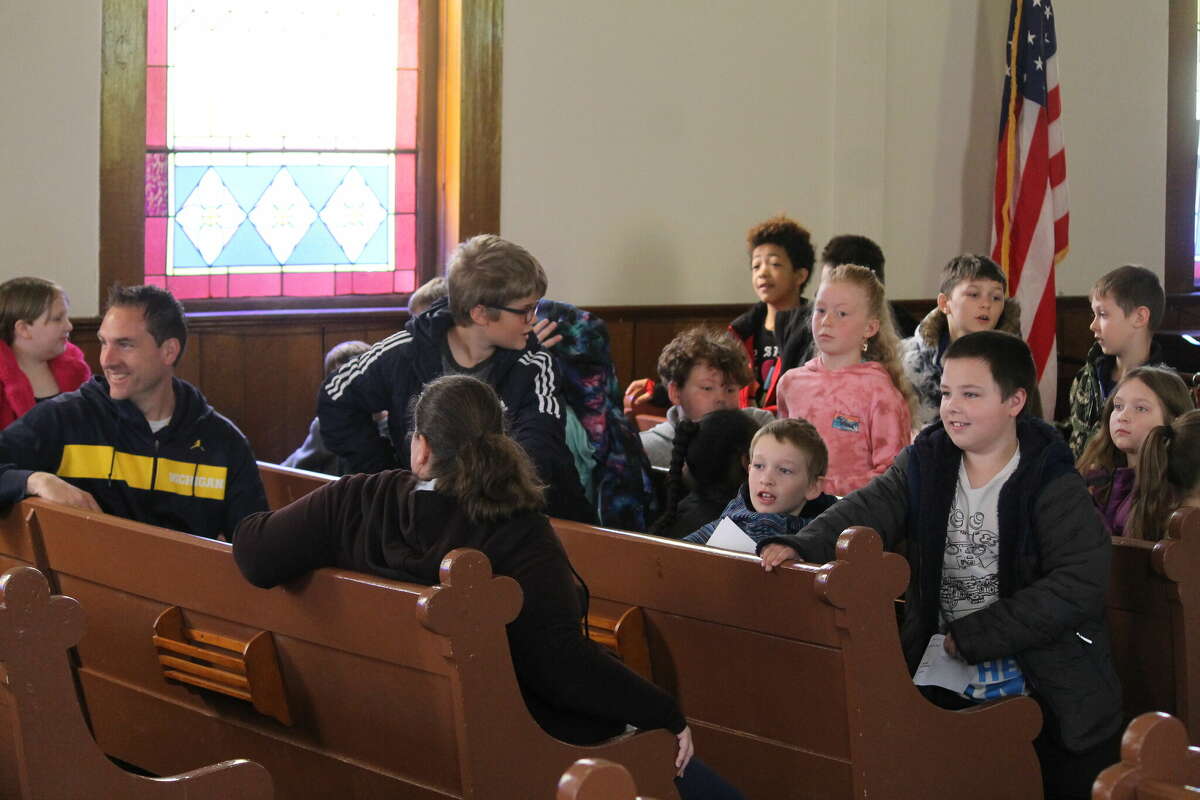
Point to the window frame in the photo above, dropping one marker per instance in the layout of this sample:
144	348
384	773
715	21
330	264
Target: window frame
458	134
1183	136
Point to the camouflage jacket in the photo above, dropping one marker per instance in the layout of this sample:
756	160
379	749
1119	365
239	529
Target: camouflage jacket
1087	396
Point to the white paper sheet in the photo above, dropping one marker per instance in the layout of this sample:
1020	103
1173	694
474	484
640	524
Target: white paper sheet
937	668
728	536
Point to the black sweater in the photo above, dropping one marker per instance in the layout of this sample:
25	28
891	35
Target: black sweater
382	524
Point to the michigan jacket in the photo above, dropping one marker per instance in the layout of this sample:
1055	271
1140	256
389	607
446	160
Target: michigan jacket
196	475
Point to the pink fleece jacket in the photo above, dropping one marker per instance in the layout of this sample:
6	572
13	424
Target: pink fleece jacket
859	412
70	370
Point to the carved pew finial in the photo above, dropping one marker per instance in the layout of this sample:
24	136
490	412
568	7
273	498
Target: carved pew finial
861	562
467	588
1154	750
597	779
36	630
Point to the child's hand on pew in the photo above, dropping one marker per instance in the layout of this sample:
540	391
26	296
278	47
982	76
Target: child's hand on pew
686	750
55	489
775	554
543	330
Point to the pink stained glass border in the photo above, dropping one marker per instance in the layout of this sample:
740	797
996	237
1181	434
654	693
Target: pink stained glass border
158	214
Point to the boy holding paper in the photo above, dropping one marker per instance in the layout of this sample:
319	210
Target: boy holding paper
782	491
1009	559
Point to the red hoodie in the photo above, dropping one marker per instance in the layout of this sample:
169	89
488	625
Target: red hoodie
16	393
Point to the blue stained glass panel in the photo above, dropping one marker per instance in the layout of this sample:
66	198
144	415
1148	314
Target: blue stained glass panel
377	179
318	247
318	183
184	252
376	251
246	249
247	184
186	179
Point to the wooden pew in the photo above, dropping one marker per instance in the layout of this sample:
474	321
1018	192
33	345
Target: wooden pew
47	727
597	779
285	484
793	682
1154	616
392	689
1156	763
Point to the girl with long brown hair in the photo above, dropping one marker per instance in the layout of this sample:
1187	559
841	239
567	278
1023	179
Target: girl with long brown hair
1168	476
1145	398
473	486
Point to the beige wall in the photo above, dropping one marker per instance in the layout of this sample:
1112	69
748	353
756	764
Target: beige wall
50	144
642	137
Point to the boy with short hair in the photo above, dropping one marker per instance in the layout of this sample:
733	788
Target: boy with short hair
781	263
971	298
1127	307
426	295
704	370
484	329
1009	560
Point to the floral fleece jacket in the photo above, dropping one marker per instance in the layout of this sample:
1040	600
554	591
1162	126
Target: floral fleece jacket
921	355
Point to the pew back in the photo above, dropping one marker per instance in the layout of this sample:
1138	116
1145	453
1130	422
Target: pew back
1154	616
793	682
392	689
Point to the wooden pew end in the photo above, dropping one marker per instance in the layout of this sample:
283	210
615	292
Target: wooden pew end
1156	762
36	630
597	779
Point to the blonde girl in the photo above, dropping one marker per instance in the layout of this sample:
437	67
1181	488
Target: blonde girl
854	390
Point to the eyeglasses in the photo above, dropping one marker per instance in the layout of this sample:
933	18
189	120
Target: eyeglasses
528	312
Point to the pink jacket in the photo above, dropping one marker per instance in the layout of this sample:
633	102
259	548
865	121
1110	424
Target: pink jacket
16	393
859	412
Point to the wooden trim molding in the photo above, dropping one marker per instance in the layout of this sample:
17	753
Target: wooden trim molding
1182	133
122	144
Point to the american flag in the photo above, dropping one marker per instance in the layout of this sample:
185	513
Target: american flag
1029	229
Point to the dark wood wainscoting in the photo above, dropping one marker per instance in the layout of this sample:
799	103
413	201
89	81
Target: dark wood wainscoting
262	369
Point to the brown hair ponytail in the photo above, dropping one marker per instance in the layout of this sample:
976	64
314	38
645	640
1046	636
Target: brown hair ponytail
1168	471
474	460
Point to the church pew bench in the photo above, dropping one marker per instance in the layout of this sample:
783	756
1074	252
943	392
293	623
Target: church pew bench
793	682
286	484
1153	608
46	724
390	689
1156	763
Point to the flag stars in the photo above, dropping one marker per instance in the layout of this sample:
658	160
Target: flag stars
1029	37
1048	12
1037	62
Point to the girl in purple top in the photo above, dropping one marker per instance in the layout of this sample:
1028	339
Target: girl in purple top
1146	398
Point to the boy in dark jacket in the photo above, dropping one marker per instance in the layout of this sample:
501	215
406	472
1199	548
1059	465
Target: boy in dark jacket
483	328
1009	559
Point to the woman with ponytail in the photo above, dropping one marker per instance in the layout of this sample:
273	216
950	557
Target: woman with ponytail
473	486
1168	476
715	452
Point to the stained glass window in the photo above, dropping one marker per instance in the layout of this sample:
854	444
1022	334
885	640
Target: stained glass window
281	147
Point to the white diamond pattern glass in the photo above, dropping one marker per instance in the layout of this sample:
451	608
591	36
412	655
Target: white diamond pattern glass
353	214
282	215
210	216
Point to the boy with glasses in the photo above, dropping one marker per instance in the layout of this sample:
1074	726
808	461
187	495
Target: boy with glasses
483	328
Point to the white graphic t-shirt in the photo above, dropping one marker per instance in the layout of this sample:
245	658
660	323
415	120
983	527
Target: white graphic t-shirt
970	579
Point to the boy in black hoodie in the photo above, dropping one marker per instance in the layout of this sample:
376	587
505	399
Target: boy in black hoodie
484	328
